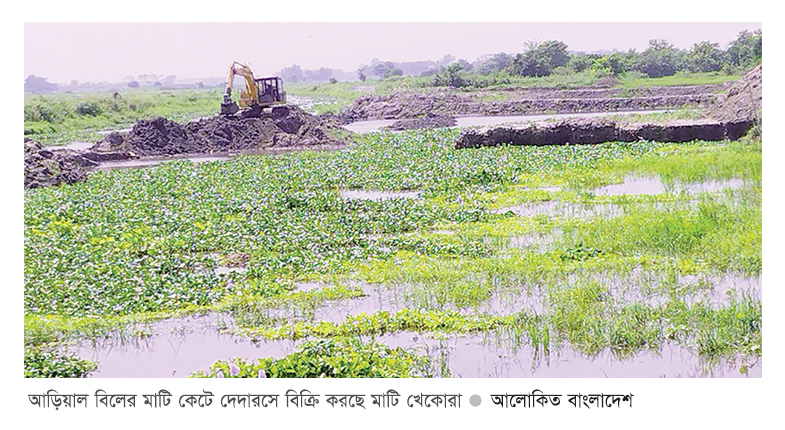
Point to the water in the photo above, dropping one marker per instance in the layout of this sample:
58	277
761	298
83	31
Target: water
472	356
633	185
558	208
177	348
202	158
74	146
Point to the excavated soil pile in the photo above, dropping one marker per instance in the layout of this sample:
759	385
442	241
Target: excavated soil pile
402	105
286	126
744	99
429	121
44	167
583	131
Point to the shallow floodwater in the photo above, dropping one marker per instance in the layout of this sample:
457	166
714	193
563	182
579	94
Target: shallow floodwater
177	348
472	356
631	185
202	158
652	185
75	146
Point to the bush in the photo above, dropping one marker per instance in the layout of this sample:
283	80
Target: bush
88	109
660	59
541	59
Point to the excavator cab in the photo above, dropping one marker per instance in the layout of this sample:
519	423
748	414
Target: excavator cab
258	94
270	91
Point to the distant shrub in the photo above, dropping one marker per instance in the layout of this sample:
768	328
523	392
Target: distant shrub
88	109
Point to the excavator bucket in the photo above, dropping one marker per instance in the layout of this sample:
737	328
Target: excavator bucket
229	108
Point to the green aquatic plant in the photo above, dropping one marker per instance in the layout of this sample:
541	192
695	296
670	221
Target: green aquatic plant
42	363
238	236
342	358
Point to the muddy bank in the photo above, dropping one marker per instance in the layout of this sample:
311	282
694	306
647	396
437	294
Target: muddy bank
405	105
731	115
286	126
743	100
585	93
582	131
44	167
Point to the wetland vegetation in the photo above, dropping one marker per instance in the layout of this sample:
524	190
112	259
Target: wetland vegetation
239	238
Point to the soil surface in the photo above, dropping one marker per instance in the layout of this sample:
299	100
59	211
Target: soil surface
408	104
285	126
744	99
591	131
731	116
44	167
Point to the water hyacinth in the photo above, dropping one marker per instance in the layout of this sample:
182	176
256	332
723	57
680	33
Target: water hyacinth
127	244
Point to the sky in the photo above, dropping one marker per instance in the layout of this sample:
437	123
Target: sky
103	51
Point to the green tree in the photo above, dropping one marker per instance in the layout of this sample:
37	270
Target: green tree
705	57
496	63
616	62
660	59
579	63
747	49
450	76
540	59
385	69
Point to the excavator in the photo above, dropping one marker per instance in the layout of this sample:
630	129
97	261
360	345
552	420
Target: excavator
258	94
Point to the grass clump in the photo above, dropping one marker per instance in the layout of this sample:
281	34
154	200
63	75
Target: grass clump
43	363
334	358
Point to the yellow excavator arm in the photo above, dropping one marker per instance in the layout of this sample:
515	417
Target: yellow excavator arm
248	97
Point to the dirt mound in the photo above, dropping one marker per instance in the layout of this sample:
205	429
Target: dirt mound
428	121
408	105
44	167
744	99
285	126
592	131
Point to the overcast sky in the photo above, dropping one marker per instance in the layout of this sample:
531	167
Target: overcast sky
111	51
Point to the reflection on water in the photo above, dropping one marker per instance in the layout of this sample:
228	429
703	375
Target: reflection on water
558	208
176	348
472	356
181	346
638	185
202	158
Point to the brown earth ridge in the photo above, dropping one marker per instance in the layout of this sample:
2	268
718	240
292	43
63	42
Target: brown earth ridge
730	117
408	105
